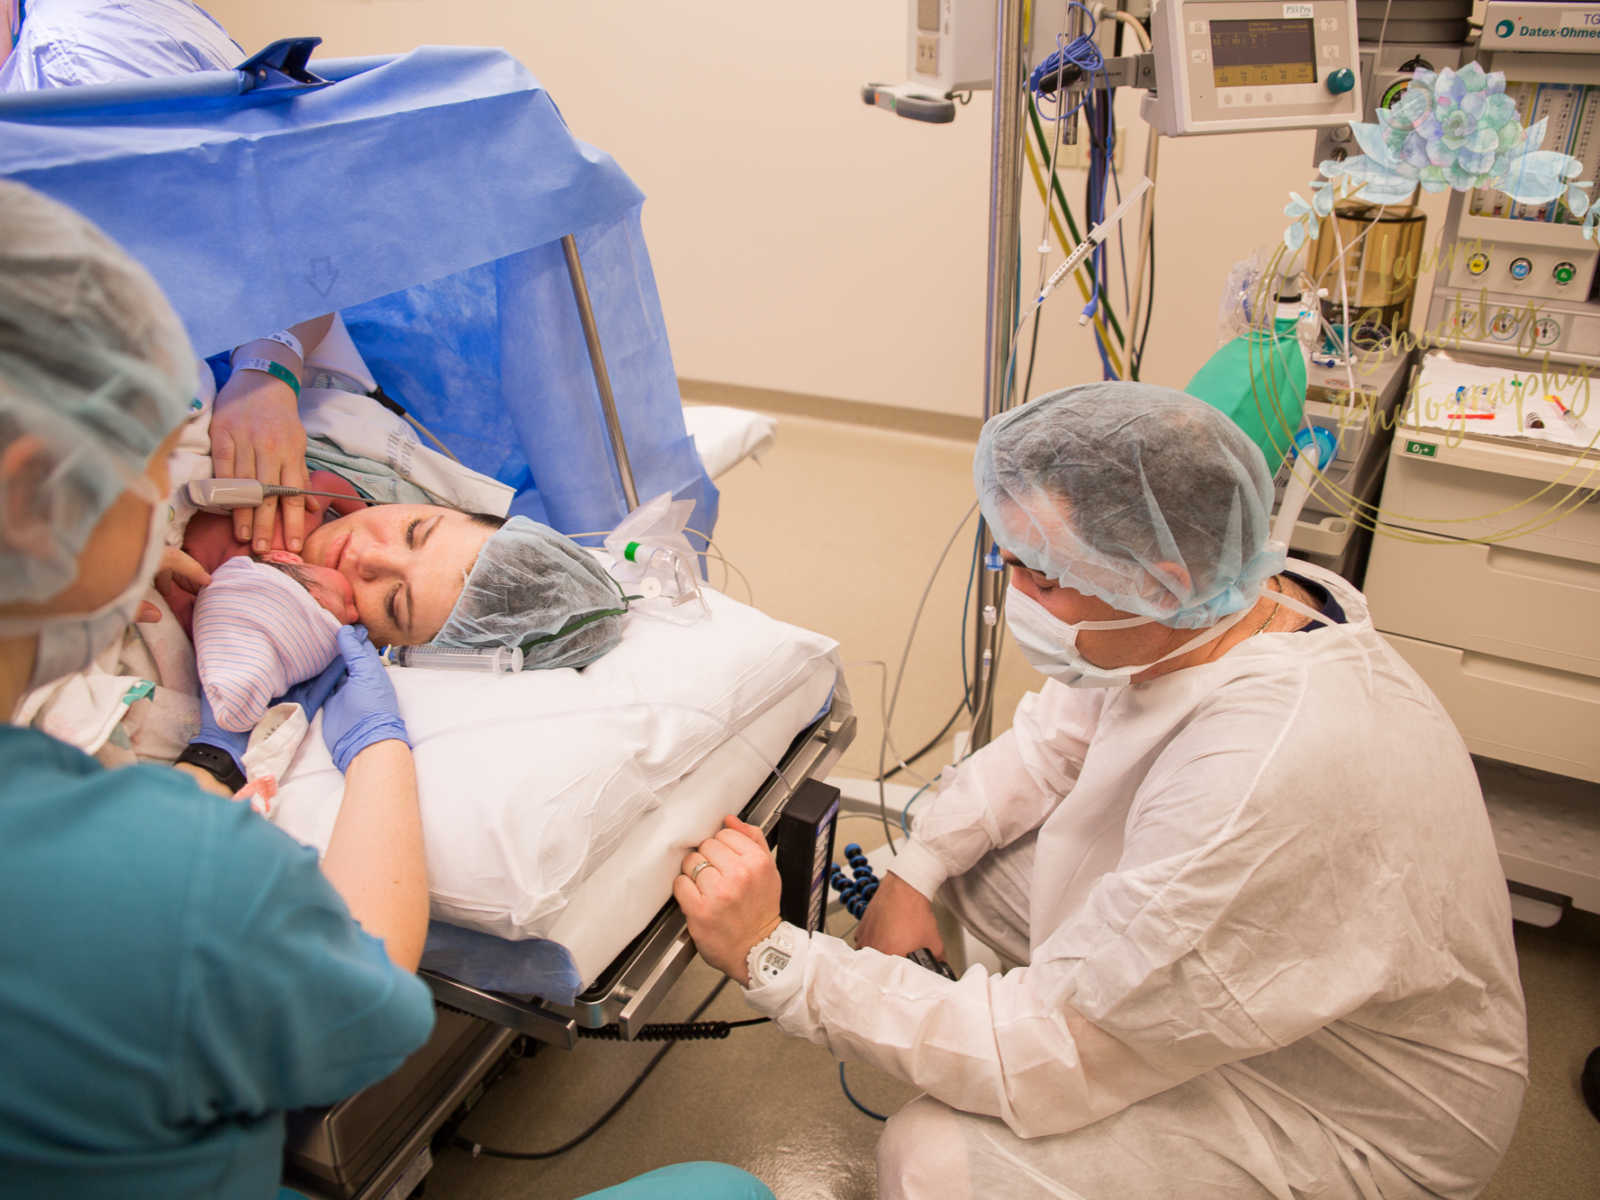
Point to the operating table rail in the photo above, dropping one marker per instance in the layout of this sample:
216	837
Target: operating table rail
536	1022
630	990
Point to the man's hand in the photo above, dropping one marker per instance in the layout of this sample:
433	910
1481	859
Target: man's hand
732	903
899	919
256	434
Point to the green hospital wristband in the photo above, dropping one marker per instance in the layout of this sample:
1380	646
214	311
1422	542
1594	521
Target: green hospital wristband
268	367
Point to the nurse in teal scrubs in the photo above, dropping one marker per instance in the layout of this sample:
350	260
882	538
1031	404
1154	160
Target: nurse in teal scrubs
175	972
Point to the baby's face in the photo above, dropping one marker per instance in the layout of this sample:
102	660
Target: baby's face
328	587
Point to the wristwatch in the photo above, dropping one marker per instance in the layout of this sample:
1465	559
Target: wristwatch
216	762
769	956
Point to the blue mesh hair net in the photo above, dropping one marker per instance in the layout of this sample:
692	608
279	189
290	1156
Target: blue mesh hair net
1143	496
535	588
93	363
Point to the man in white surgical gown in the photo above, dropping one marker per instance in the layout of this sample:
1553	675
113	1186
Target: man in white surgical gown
1234	844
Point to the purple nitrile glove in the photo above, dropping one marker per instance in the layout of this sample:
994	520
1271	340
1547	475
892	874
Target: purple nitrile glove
363	709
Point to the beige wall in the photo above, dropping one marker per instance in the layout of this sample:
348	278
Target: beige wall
803	242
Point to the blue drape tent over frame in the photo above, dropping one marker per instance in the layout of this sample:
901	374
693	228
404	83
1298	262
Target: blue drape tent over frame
424	196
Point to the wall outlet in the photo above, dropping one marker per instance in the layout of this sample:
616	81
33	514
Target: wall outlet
1076	157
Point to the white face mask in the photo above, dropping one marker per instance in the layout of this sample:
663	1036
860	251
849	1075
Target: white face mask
1051	644
69	642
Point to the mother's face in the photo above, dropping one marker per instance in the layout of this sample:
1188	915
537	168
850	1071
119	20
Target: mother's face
405	563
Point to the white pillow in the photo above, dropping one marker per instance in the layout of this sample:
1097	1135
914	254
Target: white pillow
725	436
527	781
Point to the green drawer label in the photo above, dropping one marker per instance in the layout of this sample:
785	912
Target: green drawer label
1426	449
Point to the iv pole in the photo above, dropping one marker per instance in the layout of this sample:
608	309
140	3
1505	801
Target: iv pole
1005	189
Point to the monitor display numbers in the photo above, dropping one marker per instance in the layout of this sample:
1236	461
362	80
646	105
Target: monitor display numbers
1249	53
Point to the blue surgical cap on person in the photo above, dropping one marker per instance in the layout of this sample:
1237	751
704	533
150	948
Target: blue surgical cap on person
94	366
1141	495
535	588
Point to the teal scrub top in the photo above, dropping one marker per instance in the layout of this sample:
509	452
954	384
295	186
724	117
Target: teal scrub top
175	972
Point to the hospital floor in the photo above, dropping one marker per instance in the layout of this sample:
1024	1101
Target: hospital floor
837	529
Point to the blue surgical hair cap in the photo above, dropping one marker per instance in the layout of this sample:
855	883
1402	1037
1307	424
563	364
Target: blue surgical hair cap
1141	495
538	589
94	364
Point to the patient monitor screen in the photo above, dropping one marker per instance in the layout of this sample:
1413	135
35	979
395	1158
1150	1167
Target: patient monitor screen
1253	52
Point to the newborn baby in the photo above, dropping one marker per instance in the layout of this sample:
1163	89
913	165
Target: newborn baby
262	627
208	538
328	587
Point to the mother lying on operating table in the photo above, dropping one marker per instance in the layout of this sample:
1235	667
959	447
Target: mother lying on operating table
410	573
405	559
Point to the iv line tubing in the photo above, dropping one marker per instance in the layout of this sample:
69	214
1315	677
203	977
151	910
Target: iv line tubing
1104	319
905	657
429	434
1096	238
1078	276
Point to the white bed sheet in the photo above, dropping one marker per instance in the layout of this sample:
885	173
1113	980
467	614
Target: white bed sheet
617	900
530	782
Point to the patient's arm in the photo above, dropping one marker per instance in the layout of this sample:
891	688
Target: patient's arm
207	781
374	857
256	433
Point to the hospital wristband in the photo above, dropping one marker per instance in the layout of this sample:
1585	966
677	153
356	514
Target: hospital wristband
268	367
288	341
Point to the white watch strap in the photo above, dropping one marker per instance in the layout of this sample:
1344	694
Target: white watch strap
769	956
284	338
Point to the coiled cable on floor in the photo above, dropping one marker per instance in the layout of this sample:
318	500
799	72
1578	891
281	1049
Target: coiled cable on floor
673	1031
477	1148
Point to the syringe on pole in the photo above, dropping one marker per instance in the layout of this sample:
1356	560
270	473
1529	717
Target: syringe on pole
1086	247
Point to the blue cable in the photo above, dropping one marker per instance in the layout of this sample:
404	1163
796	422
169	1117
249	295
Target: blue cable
853	1100
1098	110
1081	52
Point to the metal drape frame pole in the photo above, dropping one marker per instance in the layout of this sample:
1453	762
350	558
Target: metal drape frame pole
1005	189
602	378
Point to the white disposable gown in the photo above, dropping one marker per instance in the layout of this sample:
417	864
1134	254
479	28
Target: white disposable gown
1267	941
